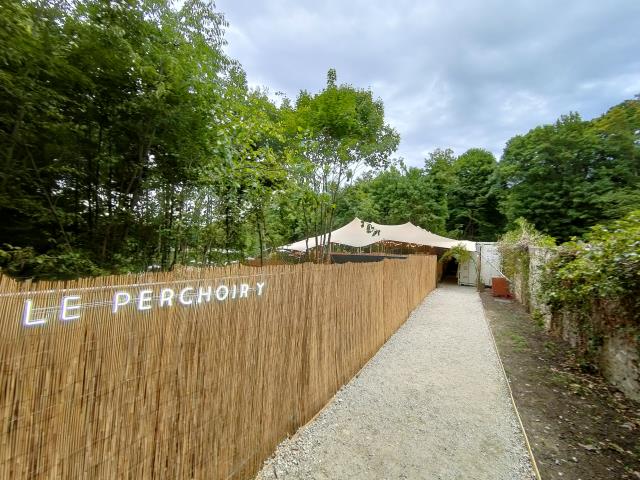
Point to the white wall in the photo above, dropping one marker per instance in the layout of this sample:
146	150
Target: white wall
490	261
489	265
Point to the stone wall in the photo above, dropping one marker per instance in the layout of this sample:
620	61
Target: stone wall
620	362
538	258
618	357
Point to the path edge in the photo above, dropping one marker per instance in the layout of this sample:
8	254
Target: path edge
513	401
331	401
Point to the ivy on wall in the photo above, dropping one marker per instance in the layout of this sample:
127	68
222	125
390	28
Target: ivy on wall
604	268
514	251
591	285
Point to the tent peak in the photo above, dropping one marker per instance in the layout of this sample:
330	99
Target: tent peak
361	233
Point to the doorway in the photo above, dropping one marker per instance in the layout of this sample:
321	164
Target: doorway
450	271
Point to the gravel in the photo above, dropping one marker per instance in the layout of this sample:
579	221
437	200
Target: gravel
431	404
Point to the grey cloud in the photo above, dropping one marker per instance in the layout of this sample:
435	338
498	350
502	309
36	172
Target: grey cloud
452	73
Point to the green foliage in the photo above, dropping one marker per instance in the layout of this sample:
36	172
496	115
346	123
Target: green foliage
538	318
514	251
330	136
439	177
472	199
394	196
567	177
460	253
25	262
562	178
451	196
604	269
128	140
523	236
107	123
518	342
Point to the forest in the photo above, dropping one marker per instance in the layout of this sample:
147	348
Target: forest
130	142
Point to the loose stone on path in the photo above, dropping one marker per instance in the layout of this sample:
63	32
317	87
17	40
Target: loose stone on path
432	404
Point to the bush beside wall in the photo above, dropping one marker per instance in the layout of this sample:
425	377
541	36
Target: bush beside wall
588	292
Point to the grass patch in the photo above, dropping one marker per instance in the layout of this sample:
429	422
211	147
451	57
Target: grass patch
518	341
538	318
562	379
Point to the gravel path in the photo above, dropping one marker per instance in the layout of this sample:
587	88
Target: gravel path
432	404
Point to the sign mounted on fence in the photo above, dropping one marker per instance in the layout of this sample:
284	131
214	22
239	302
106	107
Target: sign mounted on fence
144	298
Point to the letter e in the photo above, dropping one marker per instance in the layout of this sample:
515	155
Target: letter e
65	309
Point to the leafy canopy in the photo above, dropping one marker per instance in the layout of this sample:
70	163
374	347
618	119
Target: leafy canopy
567	177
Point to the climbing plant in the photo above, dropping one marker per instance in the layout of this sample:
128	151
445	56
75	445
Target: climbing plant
514	246
595	283
602	268
458	252
462	255
514	251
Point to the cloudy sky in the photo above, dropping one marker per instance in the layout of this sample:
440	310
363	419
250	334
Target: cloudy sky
451	73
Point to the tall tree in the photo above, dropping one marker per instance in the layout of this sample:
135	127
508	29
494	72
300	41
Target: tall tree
473	204
336	132
563	177
109	115
438	167
619	130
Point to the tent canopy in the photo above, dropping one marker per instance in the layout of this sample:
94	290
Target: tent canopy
359	233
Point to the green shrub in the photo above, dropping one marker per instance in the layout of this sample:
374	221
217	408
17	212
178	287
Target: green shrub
514	247
54	265
514	252
604	268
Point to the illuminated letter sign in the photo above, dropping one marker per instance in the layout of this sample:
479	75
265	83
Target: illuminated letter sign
27	315
145	299
66	308
120	299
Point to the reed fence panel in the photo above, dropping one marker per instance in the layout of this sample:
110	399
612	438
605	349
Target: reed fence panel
205	390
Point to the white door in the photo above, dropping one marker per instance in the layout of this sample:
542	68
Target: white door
490	261
467	272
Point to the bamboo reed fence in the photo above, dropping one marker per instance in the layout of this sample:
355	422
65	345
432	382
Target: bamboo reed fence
198	391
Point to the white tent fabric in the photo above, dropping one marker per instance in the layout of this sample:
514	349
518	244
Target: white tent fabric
359	233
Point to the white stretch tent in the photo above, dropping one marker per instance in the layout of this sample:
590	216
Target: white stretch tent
359	233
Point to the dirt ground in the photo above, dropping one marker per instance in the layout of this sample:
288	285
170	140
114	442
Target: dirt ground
579	427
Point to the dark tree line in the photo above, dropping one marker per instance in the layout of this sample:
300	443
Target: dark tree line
569	176
130	141
455	196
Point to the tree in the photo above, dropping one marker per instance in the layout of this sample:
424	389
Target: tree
438	168
332	135
563	177
473	206
109	116
358	201
256	171
619	130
